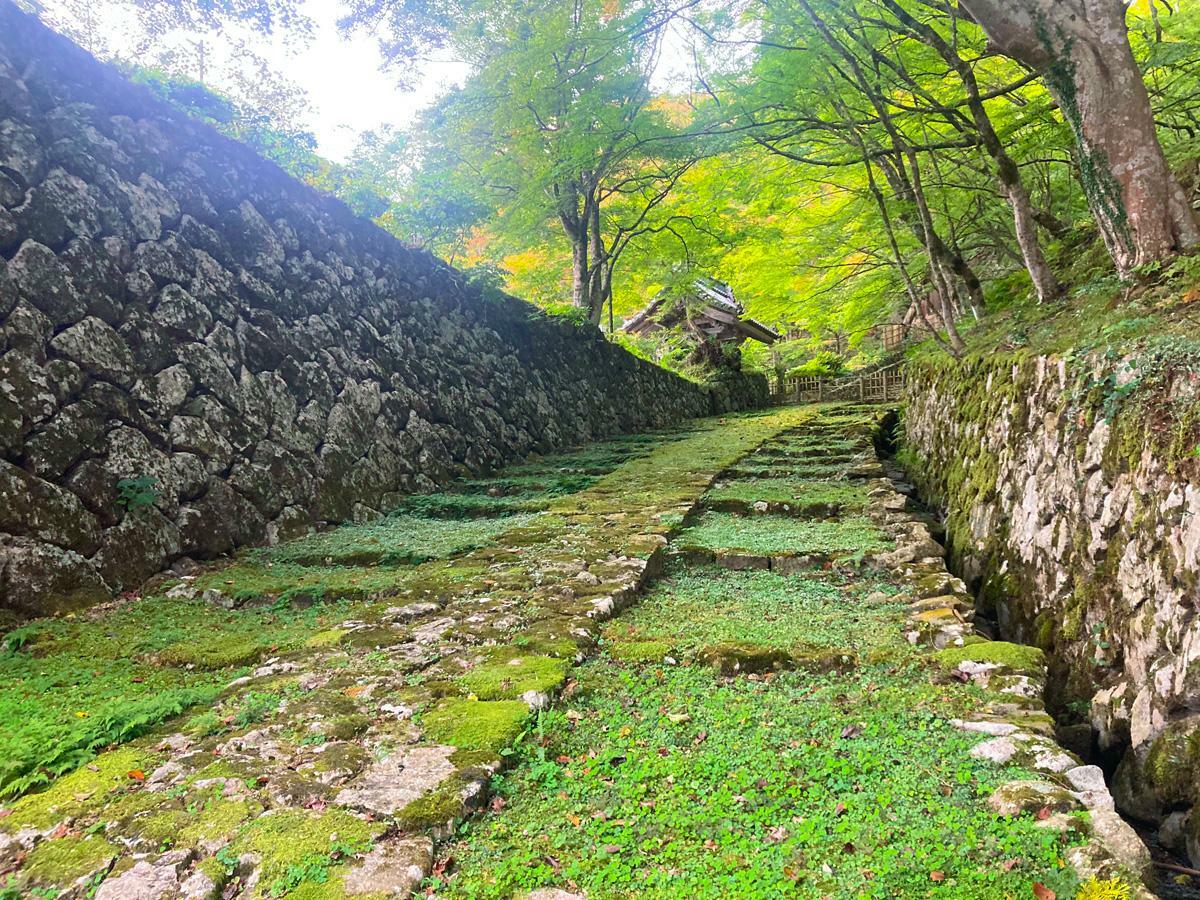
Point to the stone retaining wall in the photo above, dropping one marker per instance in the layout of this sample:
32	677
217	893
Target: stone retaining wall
198	352
1072	493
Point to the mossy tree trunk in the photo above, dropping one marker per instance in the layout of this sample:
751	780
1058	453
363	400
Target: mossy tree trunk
1082	47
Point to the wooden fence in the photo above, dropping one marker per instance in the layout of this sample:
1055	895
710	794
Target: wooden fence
884	385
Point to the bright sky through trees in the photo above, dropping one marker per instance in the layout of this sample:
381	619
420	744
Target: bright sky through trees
347	90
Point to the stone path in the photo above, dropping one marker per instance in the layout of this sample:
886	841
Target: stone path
339	767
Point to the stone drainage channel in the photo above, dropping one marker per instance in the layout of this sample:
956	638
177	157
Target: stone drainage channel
800	706
1167	863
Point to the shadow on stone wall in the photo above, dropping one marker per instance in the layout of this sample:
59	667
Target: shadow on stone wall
198	352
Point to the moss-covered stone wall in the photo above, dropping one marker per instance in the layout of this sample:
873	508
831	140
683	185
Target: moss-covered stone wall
198	352
1071	488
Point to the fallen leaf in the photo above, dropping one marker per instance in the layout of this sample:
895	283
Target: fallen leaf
700	738
937	875
440	867
137	775
840	809
777	835
1043	814
498	803
355	690
851	731
1041	892
1009	864
612	848
60	831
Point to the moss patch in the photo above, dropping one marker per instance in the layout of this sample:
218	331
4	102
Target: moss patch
491	725
742	658
1017	657
296	846
213	821
88	787
66	860
635	651
507	674
435	809
212	653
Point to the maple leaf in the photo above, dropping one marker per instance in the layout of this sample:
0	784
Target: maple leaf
937	875
1041	892
137	775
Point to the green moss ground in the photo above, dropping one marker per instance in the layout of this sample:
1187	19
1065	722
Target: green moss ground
71	686
768	535
838	496
683	783
80	684
662	780
399	539
821	611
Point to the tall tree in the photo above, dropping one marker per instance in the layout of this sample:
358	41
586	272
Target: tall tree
1082	48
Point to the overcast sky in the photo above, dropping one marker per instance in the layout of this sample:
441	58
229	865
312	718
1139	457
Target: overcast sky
349	91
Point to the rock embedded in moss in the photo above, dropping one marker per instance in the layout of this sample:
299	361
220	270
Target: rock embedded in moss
741	658
209	824
639	651
212	653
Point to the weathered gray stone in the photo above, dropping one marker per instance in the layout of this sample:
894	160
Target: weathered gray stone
173	308
1017	797
402	778
45	282
395	868
41	579
141	545
21	155
32	507
95	347
58	209
144	881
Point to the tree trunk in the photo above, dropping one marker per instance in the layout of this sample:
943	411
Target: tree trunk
1083	48
575	226
598	259
581	282
1045	283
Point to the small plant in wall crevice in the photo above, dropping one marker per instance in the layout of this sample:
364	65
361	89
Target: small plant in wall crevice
134	494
